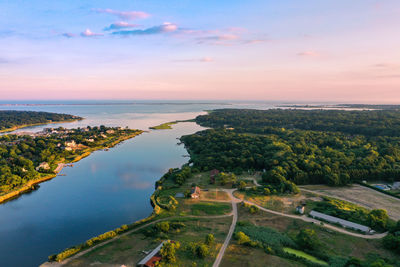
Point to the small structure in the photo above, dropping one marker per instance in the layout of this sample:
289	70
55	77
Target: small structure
300	209
110	131
152	258
343	223
91	140
179	195
396	185
43	165
70	143
195	192
382	187
213	173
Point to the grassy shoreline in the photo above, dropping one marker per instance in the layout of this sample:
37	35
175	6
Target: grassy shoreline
168	125
35	124
30	184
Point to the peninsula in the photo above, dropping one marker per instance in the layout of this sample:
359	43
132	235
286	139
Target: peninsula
11	120
29	159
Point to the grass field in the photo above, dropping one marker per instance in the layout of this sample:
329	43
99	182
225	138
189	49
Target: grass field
362	196
210	208
128	250
302	254
285	203
214	195
238	256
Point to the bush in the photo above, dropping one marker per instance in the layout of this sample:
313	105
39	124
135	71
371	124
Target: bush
307	238
242	238
163	227
210	239
168	251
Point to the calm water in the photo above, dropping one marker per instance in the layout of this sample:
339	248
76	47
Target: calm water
103	191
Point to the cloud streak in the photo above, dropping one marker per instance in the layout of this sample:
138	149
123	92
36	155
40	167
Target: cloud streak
68	35
89	33
167	27
203	59
120	25
126	15
308	54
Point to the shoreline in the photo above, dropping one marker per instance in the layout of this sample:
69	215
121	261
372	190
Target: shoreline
29	186
35	124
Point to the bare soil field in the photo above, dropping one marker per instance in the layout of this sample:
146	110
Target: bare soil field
360	195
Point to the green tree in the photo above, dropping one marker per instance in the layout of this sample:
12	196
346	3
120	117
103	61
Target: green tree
307	238
242	238
163	227
209	239
168	251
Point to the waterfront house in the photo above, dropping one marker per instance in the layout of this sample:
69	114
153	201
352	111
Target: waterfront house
43	165
70	143
195	192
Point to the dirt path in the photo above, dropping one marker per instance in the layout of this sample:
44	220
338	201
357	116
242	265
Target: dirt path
231	229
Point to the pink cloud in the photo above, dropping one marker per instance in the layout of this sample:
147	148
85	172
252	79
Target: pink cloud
128	15
203	59
386	66
221	39
89	33
256	41
308	54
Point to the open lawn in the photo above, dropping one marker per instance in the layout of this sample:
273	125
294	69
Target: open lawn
362	196
238	256
302	254
128	250
202	208
284	203
214	195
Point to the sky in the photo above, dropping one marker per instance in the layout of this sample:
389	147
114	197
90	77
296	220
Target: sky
286	50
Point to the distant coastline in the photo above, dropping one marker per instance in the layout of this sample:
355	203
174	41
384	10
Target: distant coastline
36	124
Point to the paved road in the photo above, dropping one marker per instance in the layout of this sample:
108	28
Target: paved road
231	229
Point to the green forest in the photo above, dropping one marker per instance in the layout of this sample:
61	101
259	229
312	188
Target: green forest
20	156
10	119
305	147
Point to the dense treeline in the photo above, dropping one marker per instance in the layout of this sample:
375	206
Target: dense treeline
369	123
300	156
20	156
12	118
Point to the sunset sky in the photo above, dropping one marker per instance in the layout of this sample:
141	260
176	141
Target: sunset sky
312	50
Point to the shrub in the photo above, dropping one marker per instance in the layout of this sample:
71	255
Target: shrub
210	239
163	227
242	238
168	251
